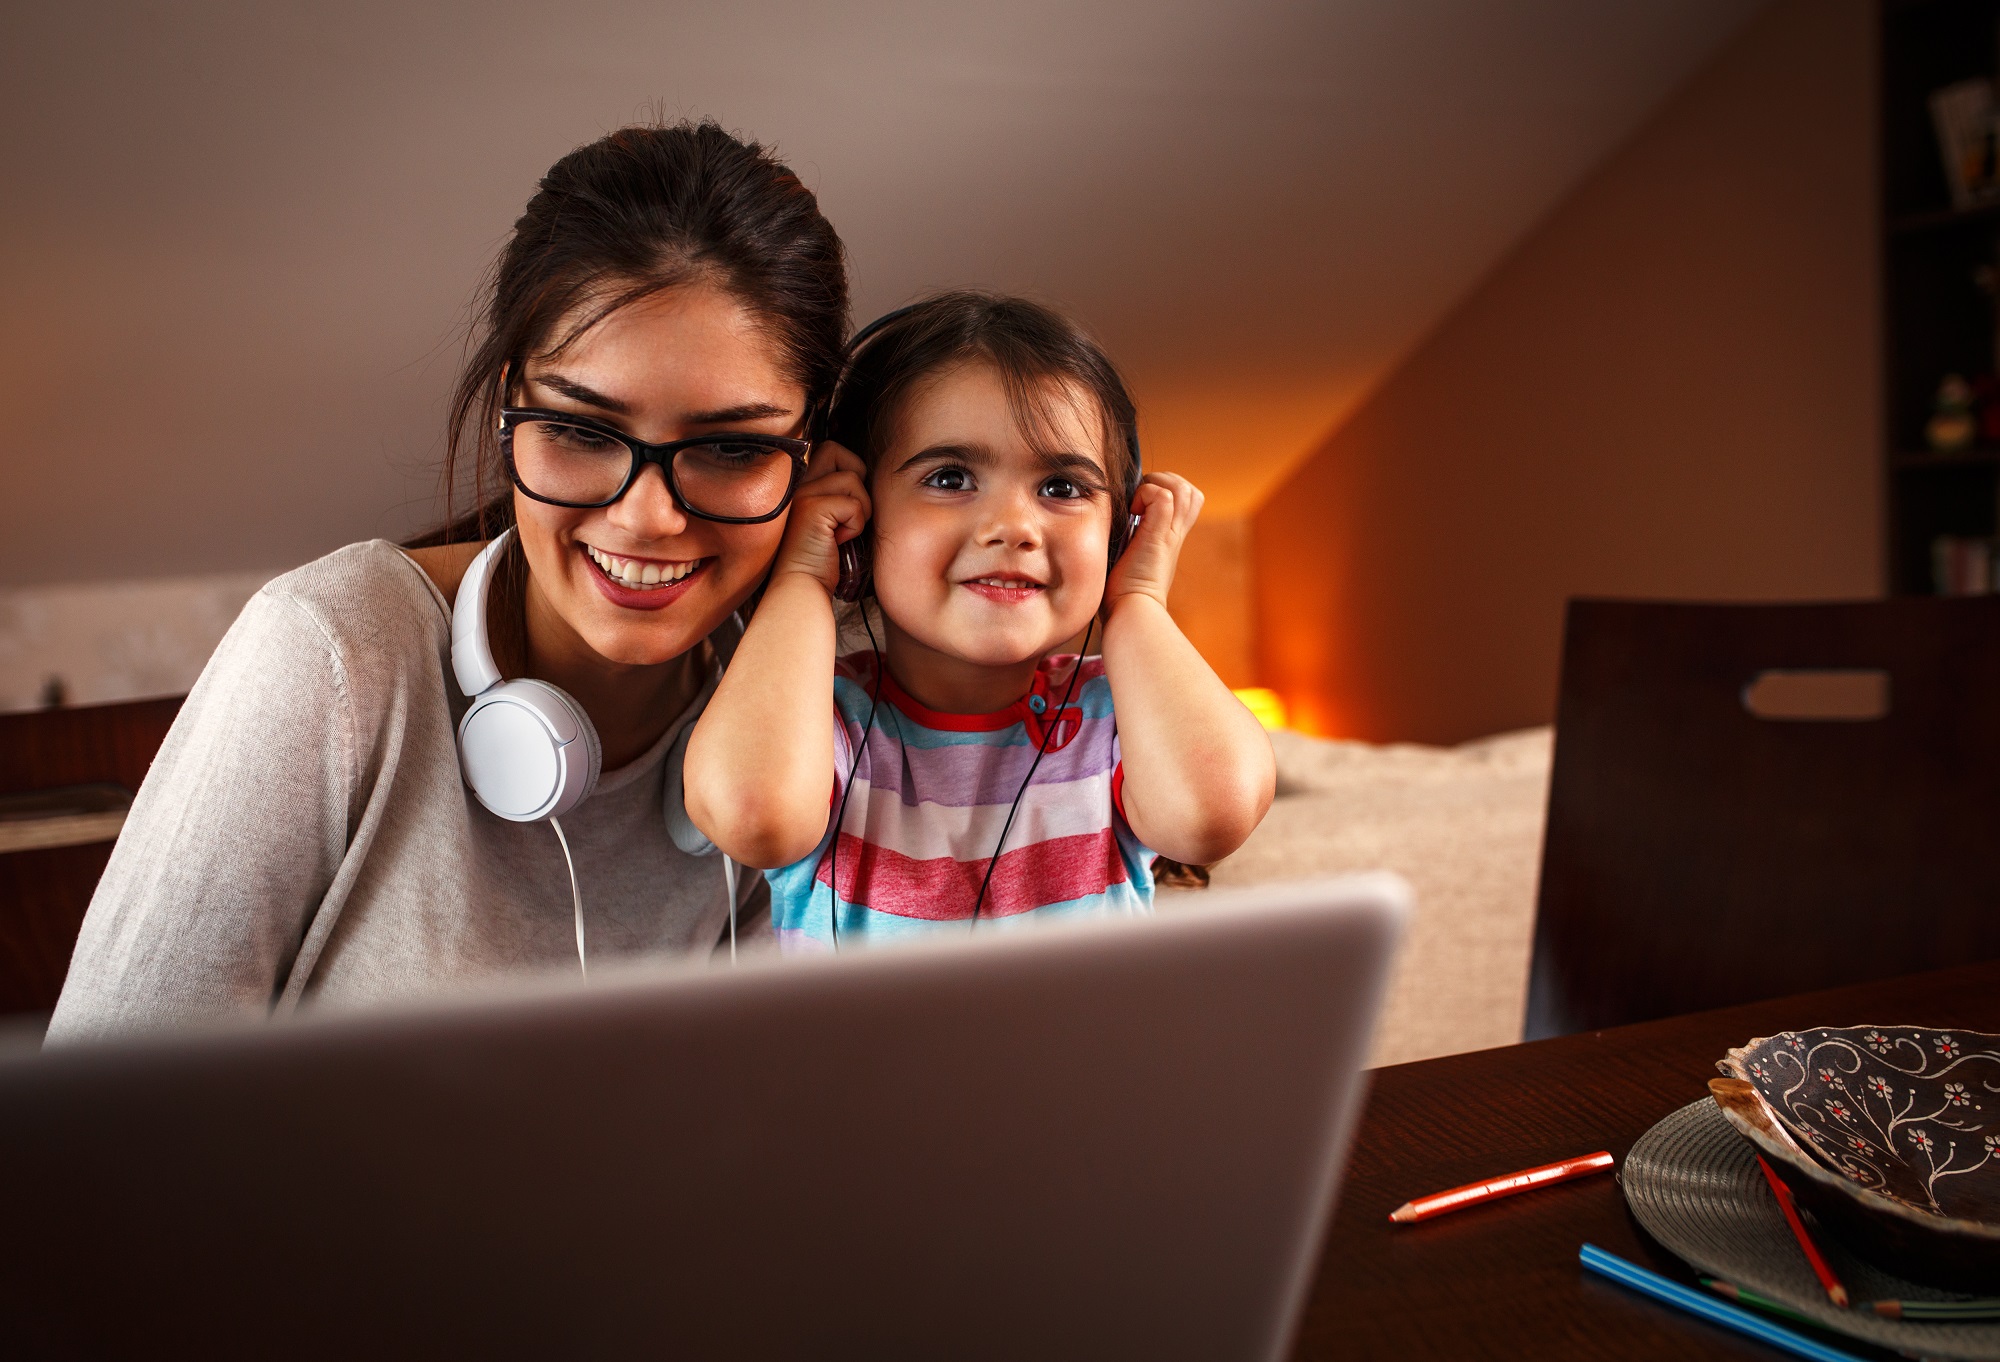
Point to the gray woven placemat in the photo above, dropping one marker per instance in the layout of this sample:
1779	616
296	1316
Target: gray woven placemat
1693	1182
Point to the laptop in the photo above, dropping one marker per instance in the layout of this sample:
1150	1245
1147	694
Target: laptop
1108	1139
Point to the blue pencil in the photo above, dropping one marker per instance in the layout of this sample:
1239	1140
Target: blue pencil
1709	1308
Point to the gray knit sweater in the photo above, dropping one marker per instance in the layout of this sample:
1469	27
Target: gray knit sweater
304	834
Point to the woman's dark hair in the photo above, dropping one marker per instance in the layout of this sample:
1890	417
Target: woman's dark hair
1028	344
636	212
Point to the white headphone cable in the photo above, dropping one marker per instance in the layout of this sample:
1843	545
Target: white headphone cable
576	897
729	879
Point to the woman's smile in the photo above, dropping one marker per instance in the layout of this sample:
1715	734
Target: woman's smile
652	581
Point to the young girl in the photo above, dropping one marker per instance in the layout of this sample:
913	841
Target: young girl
962	773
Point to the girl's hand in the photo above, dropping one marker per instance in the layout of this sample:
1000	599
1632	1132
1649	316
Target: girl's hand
1168	505
830	508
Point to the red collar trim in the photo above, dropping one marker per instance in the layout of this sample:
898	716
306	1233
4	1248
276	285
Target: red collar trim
1022	711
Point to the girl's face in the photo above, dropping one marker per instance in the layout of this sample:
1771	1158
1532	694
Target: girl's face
989	547
684	362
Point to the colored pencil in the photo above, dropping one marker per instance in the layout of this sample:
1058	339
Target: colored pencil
1730	1291
1708	1308
1937	1310
1835	1292
1473	1193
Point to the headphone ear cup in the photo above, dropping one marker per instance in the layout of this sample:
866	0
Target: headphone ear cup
593	746
857	568
1135	474
528	751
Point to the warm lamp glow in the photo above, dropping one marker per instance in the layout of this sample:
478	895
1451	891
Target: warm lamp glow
1267	705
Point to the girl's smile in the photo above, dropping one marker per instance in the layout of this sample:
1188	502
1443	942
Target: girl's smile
1004	588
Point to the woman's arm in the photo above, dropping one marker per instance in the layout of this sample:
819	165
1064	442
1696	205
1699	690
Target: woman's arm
237	832
760	763
1199	773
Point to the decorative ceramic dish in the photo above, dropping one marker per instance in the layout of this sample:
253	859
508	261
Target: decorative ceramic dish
1692	1183
1889	1134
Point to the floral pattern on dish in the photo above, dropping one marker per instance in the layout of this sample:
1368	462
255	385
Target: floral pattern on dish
1909	1112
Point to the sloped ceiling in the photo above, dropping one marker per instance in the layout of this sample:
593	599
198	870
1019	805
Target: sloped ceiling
239	241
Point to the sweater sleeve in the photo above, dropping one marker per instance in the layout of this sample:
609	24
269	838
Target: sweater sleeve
232	841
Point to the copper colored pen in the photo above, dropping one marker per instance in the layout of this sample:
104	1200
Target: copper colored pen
1438	1203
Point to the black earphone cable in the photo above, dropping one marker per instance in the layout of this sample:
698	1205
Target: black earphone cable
847	788
1048	731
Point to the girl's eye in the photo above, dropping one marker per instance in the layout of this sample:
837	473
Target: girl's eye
1064	489
948	479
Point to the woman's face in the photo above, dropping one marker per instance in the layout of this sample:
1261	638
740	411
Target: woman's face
990	548
688	361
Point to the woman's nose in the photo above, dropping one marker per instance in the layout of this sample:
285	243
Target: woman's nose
647	510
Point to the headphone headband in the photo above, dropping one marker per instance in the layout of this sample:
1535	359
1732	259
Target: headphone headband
471	655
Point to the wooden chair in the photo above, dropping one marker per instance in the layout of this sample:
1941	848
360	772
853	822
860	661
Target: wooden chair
1700	854
65	777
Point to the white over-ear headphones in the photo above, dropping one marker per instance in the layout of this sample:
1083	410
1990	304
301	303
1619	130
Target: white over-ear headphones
527	750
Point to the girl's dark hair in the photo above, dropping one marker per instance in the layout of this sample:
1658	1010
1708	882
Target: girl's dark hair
1028	343
638	211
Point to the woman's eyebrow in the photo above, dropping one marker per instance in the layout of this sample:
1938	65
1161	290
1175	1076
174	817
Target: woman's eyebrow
748	411
578	392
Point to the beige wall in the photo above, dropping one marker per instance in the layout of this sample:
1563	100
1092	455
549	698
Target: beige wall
1210	599
1668	390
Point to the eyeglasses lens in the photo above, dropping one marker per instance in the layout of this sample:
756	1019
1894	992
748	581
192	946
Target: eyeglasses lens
569	463
733	478
740	479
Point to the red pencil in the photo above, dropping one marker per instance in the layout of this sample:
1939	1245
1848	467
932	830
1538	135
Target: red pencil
1438	1203
1835	1292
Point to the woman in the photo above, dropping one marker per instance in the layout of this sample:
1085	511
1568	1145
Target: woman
306	831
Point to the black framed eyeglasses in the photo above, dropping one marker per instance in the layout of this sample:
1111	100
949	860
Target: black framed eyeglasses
564	459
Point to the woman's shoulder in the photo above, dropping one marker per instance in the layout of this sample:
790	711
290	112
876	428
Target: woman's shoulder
367	605
368	586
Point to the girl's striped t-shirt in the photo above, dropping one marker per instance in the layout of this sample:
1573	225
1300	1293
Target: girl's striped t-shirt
931	794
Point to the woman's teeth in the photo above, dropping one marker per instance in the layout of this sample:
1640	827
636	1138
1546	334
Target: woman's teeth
637	575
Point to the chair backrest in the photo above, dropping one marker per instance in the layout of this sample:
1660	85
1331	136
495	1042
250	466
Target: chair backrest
45	890
1699	855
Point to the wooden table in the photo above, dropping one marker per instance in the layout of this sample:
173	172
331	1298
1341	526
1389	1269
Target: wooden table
1503	1280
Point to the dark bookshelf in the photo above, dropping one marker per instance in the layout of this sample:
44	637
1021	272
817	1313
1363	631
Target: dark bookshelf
1940	264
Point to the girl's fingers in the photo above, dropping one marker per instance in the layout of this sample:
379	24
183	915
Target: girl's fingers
1175	501
830	457
842	483
849	460
850	516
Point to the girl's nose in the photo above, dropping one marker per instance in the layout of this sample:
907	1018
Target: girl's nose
647	510
1012	521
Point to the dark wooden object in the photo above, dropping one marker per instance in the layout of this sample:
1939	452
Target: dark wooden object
1697	855
43	893
1502	1280
1938	293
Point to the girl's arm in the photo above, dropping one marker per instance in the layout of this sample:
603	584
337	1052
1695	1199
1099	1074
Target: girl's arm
1199	773
760	763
